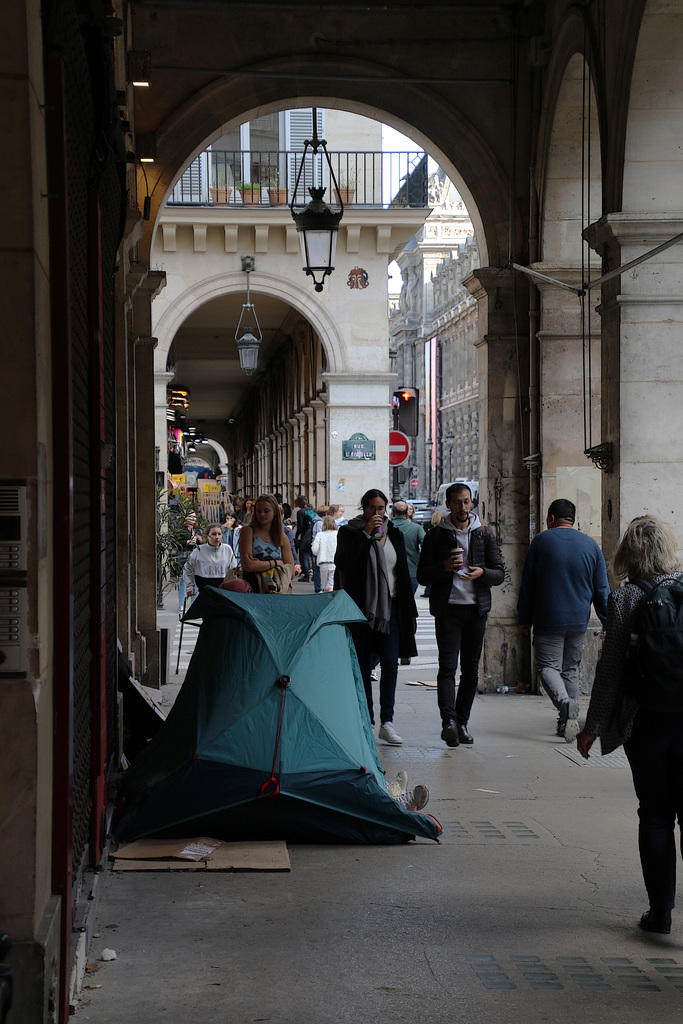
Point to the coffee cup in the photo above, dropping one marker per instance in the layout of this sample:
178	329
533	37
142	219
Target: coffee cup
458	555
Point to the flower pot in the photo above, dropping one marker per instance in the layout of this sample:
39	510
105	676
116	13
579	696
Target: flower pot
345	195
251	196
278	196
221	195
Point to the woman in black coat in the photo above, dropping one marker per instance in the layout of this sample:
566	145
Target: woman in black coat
373	569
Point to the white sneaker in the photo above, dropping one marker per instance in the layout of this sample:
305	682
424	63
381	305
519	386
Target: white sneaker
399	785
415	799
389	734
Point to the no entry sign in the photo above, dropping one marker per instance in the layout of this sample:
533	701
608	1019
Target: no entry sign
399	448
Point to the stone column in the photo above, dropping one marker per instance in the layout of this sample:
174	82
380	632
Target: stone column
295	458
309	442
503	483
358	403
642	371
320	447
302	452
161	382
566	471
144	537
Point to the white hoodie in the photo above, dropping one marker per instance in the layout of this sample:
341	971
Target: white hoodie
210	563
462	590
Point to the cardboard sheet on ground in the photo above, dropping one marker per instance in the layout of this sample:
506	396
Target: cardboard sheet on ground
270	735
201	854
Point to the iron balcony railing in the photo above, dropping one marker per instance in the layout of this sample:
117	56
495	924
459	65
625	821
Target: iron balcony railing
239	178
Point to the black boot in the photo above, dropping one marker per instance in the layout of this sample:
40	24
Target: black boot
449	733
656	921
463	735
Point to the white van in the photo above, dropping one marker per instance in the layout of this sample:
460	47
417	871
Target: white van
441	495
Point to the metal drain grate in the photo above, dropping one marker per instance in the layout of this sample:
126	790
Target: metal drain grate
612	972
617	759
389	753
476	829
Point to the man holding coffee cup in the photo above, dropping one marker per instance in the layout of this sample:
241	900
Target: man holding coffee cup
460	561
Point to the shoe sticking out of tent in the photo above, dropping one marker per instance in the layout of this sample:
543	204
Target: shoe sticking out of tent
269	737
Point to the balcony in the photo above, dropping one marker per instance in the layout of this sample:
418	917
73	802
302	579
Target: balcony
243	179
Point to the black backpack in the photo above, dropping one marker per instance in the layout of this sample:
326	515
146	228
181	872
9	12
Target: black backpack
654	659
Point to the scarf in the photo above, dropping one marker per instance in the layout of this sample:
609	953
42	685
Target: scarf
377	597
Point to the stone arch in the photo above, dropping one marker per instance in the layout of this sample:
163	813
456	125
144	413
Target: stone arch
476	171
295	294
653	159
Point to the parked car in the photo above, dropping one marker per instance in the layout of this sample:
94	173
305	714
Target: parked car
423	511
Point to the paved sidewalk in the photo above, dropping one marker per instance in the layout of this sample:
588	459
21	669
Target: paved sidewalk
526	911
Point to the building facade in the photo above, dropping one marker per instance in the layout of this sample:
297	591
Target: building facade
560	133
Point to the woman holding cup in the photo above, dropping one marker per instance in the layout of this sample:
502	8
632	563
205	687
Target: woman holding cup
373	569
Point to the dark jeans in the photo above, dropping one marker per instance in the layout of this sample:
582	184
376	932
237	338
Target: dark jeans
317	583
655	753
459	634
305	556
371	645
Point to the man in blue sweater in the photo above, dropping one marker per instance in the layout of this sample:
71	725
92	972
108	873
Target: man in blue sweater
564	571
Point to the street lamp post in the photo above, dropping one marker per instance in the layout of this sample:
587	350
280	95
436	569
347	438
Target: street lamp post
450	439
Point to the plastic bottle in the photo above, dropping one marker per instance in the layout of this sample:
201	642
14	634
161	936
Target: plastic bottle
502	689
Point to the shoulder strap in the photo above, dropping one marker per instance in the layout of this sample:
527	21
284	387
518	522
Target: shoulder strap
647	586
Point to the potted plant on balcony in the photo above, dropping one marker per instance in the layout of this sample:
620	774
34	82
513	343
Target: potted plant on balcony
220	194
251	191
277	195
347	187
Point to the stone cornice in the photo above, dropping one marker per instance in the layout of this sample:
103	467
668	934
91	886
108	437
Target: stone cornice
642	229
392	227
361	377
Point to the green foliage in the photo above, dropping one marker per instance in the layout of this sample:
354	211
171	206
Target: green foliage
171	535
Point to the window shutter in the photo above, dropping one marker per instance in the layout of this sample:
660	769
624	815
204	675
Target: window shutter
299	127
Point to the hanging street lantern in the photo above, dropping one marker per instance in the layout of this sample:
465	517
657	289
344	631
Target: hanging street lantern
316	223
247	341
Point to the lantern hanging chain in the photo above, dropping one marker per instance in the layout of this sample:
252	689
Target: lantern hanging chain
512	233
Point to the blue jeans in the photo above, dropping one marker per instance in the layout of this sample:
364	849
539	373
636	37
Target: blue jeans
369	646
317	581
459	635
655	753
558	657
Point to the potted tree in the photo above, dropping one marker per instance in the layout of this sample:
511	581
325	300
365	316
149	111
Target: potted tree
277	195
347	187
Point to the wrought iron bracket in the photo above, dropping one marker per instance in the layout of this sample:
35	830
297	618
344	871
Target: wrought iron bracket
602	455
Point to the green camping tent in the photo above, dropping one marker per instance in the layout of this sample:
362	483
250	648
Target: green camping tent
270	736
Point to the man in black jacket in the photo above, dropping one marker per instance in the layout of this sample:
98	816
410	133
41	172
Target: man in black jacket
460	561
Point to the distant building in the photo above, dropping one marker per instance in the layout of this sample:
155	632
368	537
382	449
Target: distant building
432	335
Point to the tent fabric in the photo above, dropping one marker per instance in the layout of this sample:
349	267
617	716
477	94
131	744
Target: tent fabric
270	736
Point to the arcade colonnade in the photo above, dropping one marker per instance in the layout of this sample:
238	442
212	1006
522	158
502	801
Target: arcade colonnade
510	126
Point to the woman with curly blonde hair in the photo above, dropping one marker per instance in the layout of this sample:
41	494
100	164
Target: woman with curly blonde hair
652	739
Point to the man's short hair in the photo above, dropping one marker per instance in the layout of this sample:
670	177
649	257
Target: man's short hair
563	508
399	511
457	489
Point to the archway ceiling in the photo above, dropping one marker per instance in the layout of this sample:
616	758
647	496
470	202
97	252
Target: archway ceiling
441	68
204	353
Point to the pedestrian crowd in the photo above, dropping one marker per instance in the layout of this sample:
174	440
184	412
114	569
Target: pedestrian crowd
380	557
